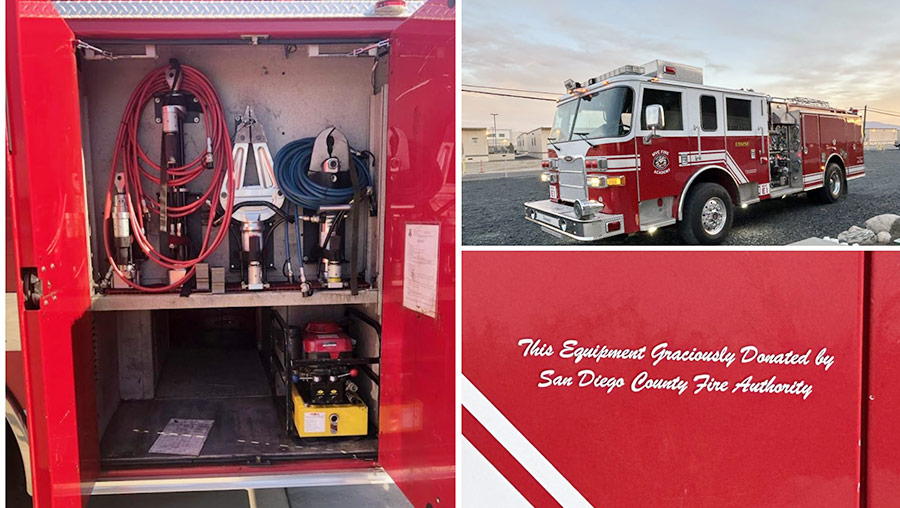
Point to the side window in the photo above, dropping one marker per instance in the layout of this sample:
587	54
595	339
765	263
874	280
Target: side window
738	113
671	104
708	115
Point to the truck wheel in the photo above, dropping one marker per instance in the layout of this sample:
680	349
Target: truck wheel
707	215
16	490
833	187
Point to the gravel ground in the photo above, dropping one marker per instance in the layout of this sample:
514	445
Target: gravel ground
492	212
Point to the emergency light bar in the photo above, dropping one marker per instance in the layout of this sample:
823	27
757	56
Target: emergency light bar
625	69
659	69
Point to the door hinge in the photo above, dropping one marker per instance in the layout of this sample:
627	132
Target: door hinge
32	288
92	52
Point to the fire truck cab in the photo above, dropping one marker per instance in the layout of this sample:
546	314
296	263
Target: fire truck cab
643	147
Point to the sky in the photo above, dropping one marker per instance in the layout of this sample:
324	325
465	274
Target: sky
845	52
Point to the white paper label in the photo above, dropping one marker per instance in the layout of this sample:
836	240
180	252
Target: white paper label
420	268
314	422
182	437
553	192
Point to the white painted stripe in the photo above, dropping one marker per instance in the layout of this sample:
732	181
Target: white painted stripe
482	485
737	169
854	177
715	157
519	447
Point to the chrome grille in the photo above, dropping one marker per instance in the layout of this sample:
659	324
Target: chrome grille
571	180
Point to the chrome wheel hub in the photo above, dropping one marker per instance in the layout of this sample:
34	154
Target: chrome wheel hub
834	184
713	216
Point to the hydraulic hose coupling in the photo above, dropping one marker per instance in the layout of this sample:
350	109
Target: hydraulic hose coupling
251	243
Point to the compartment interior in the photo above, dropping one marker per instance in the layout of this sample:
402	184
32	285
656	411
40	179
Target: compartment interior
214	364
160	357
296	91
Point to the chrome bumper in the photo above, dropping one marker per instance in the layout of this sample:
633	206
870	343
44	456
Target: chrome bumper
553	216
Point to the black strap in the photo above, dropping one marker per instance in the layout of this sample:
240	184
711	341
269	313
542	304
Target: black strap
354	227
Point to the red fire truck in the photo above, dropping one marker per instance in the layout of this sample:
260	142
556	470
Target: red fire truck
334	369
643	147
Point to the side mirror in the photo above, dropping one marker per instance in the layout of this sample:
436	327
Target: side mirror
655	119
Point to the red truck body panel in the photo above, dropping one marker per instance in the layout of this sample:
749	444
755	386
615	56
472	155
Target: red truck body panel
882	451
654	447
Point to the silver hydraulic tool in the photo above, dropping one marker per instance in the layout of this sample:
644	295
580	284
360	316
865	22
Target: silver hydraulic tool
122	235
255	200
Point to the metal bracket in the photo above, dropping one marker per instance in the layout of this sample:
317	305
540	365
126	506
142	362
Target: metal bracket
192	107
254	38
32	288
375	49
93	53
371	49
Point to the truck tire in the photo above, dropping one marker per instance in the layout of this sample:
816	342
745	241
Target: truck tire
706	215
16	490
833	186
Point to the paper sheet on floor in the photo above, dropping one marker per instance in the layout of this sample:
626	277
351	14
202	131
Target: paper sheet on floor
182	437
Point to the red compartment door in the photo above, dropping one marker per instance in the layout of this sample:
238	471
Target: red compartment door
417	420
642	443
883	415
50	237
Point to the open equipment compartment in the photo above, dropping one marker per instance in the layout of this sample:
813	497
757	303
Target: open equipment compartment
220	355
70	330
295	92
226	366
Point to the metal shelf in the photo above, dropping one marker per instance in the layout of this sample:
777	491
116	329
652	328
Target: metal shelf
271	298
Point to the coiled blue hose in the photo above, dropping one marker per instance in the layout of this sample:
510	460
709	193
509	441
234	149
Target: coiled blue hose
292	175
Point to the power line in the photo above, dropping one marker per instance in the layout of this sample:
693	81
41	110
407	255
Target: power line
886	113
510	95
512	89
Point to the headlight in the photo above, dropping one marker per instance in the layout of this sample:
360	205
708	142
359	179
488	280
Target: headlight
601	182
545	176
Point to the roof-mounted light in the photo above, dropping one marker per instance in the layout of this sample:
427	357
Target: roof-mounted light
621	71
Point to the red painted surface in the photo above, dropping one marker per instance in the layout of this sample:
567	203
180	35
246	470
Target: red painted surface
49	230
506	464
883	416
705	450
416	443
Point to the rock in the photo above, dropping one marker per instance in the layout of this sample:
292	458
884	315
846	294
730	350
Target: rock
888	222
858	235
883	238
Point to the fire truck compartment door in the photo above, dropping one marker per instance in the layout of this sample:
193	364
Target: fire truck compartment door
48	206
416	442
812	150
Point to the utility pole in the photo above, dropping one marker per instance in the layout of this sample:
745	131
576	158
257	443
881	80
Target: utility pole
495	131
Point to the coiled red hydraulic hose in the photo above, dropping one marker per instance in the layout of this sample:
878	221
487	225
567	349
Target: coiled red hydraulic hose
135	164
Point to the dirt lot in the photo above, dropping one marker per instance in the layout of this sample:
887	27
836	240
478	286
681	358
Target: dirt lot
492	212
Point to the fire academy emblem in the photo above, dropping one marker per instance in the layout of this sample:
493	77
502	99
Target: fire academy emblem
661	162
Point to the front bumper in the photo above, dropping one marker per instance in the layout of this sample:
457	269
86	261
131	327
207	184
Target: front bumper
553	216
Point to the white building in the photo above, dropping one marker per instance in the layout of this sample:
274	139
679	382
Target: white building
534	143
499	142
880	136
474	144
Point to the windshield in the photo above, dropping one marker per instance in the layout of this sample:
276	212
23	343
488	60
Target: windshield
603	114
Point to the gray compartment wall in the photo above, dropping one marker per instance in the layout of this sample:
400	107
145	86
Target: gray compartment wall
294	97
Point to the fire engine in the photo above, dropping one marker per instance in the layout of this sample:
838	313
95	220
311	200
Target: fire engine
230	261
643	147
